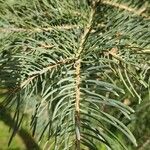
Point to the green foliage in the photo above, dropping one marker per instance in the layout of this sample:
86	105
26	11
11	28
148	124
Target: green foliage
66	64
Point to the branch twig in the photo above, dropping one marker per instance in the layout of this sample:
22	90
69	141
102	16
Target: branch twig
13	29
146	143
77	104
139	12
34	74
84	37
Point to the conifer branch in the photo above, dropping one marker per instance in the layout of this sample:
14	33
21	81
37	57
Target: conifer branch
34	74
84	37
94	46
86	32
77	104
51	28
139	12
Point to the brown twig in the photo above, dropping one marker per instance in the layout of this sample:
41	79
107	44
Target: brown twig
84	37
139	12
77	104
145	144
51	28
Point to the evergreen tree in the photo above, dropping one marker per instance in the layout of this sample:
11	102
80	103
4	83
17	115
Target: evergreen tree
71	65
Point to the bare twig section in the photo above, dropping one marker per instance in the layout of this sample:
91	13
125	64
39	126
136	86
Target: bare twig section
139	12
77	104
77	88
114	53
146	143
34	74
63	27
46	46
77	66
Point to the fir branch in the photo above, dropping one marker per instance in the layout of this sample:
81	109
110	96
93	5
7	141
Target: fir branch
77	103
98	49
86	32
84	37
139	12
51	28
27	81
34	74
